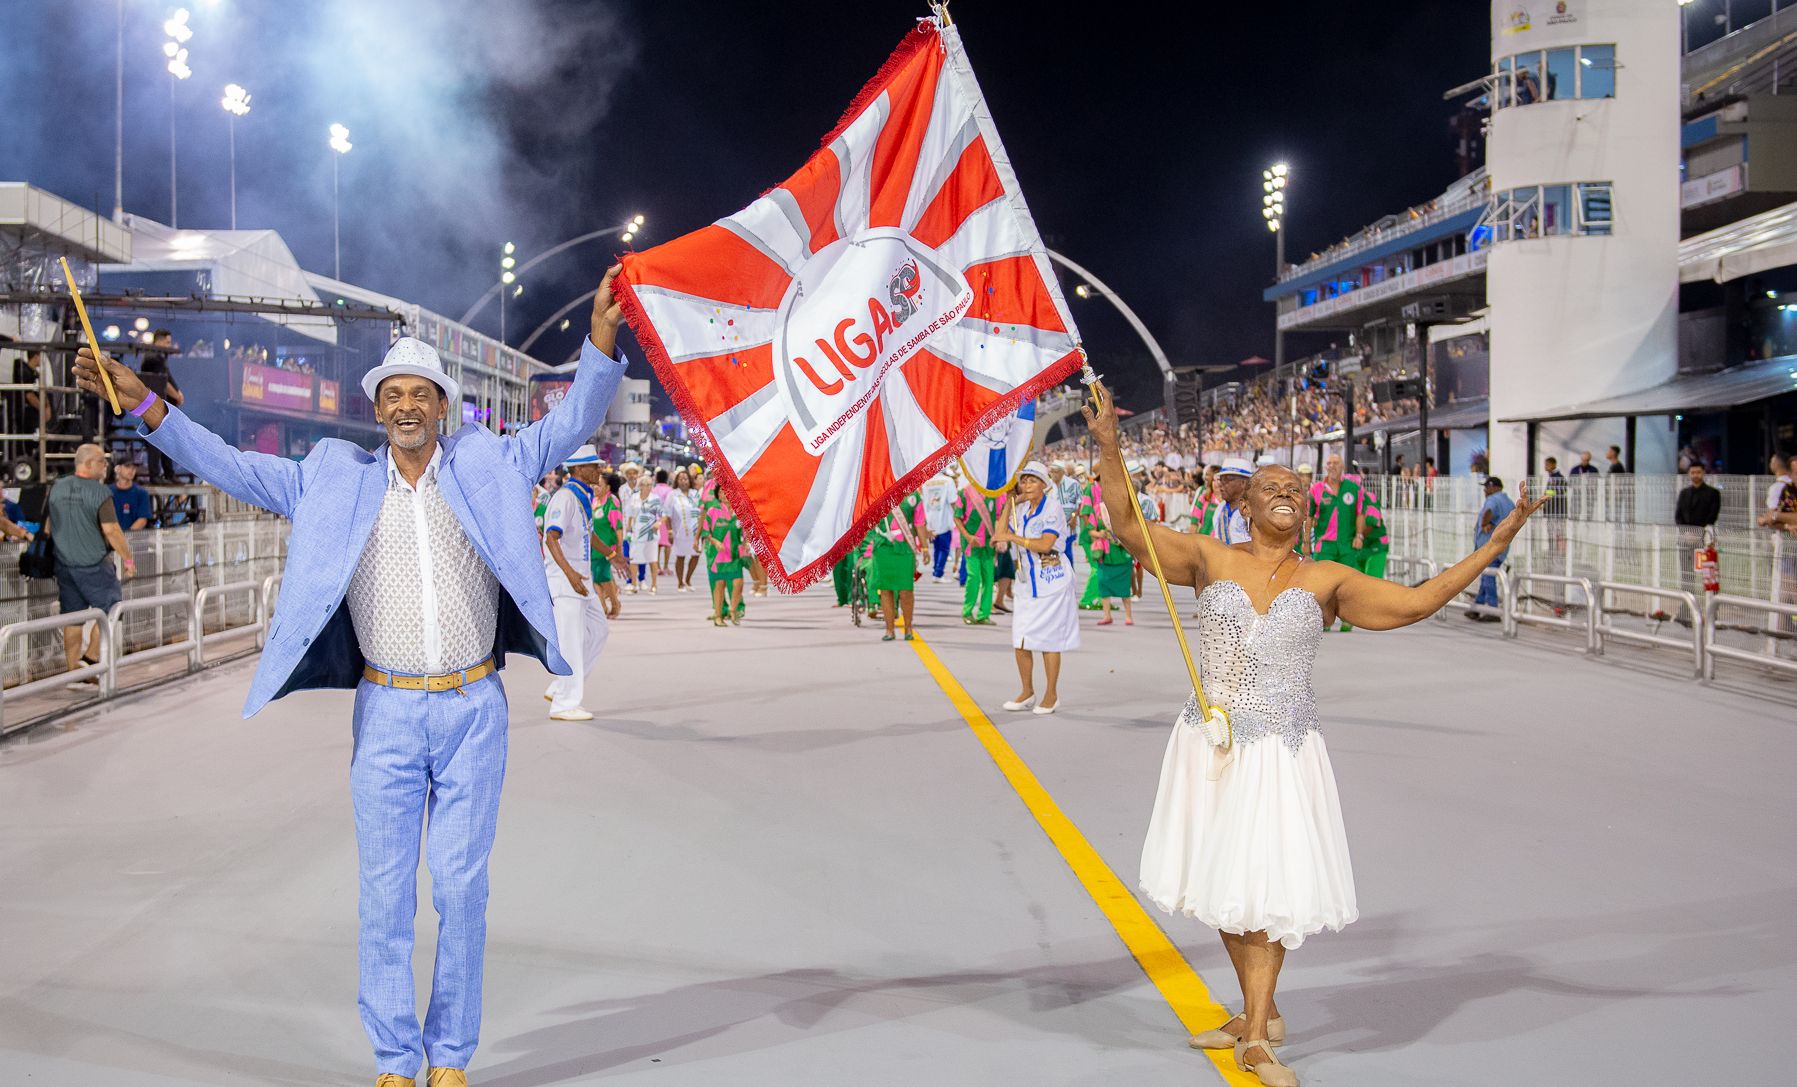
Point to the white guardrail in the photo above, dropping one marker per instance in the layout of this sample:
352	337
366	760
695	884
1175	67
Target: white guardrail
1598	611
113	655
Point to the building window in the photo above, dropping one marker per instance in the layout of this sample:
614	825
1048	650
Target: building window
1537	211
1555	75
1556	209
1597	71
1562	74
1595	213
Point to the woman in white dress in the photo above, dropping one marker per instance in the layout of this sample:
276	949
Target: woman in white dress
1251	842
680	507
644	519
1045	609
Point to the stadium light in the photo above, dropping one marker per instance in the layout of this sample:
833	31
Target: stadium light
508	277
340	144
236	103
178	33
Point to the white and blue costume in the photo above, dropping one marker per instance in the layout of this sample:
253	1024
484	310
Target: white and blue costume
1044	607
411	580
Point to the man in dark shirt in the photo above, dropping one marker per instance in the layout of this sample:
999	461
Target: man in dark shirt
1698	507
1699	504
133	502
1614	456
1584	467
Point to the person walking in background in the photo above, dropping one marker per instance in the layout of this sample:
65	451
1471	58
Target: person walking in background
1111	572
1486	604
630	504
1780	467
976	519
680	510
1584	467
132	502
1046	619
646	532
83	523
722	537
939	521
608	541
664	541
893	573
1338	511
580	625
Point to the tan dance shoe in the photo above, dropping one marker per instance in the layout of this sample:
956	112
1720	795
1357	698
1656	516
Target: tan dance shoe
1270	1072
393	1079
1222	1039
455	1077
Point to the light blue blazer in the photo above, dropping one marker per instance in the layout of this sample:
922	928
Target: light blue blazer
334	496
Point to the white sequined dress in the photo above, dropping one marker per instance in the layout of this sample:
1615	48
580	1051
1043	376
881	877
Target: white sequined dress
1262	847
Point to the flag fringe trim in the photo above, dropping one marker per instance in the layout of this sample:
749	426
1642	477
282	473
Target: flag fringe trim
915	41
797	580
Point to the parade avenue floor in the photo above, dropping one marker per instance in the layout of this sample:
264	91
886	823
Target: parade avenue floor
792	854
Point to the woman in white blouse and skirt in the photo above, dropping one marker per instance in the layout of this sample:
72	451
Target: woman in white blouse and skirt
1045	611
681	509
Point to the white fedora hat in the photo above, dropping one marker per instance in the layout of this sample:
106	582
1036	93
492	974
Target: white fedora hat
1035	468
1236	466
419	359
586	454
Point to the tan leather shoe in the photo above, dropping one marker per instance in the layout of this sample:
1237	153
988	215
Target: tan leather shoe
392	1079
1220	1038
1271	1072
448	1077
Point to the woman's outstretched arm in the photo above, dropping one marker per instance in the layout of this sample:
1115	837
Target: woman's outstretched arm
1376	604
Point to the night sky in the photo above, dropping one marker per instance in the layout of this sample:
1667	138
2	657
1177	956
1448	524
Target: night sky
1138	134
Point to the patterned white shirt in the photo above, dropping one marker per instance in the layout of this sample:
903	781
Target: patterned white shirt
422	600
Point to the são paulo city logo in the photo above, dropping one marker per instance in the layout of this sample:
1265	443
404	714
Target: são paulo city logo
855	311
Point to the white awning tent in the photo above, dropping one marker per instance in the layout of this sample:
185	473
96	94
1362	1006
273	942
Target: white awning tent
1758	243
242	265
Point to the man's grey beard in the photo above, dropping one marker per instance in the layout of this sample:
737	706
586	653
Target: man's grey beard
425	434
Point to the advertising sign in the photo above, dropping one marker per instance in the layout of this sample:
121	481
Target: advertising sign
275	388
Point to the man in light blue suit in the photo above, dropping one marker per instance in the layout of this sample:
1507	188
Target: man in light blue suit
411	572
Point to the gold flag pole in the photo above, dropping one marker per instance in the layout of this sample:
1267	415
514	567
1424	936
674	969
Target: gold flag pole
1214	715
87	329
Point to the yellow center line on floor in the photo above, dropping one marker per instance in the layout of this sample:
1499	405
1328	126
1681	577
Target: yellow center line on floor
1180	985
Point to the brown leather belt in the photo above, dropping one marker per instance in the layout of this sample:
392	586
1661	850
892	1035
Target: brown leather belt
447	682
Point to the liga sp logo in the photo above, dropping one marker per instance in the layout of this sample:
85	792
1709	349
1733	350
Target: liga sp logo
855	312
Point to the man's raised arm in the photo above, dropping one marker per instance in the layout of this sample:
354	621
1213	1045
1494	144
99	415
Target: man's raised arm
553	438
270	482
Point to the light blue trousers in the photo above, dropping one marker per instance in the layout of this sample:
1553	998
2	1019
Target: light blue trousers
442	756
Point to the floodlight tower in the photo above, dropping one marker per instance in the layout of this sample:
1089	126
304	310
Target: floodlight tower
237	103
175	49
341	145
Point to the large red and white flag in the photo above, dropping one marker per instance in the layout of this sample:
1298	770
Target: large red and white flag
837	341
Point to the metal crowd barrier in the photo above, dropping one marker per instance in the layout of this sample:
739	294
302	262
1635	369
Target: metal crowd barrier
112	655
1601	610
100	673
1768	657
1515	615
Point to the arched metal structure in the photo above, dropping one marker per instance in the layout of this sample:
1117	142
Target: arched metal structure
493	291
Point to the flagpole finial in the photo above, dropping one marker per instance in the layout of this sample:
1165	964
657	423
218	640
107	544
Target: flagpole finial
940	9
1087	376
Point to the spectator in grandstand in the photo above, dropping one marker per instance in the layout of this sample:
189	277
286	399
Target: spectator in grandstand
22	408
1497	507
1614	456
1584	467
84	525
130	500
156	378
1556	488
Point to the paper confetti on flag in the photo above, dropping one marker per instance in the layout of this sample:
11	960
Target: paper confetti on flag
836	342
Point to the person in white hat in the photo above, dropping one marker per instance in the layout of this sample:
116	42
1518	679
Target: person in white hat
1045	616
1231	521
411	572
580	625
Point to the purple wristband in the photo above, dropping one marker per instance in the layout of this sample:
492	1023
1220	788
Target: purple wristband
138	411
